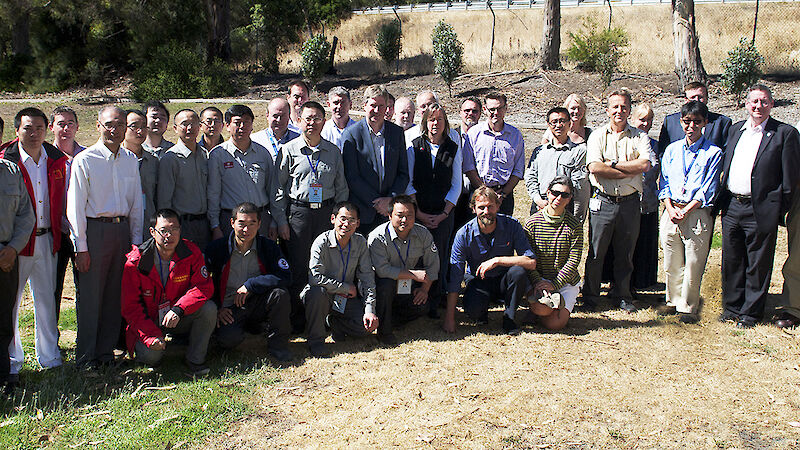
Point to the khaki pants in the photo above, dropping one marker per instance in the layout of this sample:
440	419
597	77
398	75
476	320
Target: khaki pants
686	247
790	302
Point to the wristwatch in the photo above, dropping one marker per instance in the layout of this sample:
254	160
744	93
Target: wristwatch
613	164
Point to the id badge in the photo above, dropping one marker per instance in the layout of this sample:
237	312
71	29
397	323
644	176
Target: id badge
315	193
163	309
594	204
404	286
339	302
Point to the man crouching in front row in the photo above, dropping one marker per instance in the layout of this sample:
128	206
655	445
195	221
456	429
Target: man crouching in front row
251	278
165	289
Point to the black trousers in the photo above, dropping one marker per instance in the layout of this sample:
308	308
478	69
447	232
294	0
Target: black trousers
747	257
272	307
9	282
510	287
393	307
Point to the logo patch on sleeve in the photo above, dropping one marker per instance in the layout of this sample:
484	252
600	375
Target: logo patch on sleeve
204	272
433	247
228	164
283	264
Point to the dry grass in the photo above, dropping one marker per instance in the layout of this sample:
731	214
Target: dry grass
518	36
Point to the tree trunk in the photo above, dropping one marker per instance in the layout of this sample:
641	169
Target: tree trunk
21	32
688	64
551	36
218	20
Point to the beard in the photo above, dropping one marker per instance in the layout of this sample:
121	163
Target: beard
487	219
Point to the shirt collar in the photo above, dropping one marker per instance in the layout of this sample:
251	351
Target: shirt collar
552	142
379	133
392	232
232	148
748	125
486	130
108	154
694	148
627	131
181	149
500	228
24	156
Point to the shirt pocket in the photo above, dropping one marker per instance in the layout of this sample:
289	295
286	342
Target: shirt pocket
11	195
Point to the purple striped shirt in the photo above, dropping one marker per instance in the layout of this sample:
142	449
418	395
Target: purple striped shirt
496	157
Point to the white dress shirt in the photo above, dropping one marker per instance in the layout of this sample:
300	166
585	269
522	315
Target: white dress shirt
744	157
41	193
333	134
104	184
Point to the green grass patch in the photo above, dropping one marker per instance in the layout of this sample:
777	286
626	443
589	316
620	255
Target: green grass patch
716	240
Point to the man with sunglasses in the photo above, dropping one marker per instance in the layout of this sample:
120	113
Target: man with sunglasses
105	218
166	290
278	131
183	180
559	156
556	237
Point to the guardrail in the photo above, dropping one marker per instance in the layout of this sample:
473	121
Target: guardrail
520	4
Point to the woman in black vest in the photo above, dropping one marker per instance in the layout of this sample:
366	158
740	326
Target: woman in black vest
434	163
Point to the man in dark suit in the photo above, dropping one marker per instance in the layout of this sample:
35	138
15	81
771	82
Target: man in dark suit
715	131
759	176
375	160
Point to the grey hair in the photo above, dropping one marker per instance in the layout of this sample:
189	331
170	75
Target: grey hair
341	91
376	90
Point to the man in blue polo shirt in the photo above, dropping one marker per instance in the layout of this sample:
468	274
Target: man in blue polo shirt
487	245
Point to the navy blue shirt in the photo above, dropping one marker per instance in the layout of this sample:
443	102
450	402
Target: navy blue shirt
472	248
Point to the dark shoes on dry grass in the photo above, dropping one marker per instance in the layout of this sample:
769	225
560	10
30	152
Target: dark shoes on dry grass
196	370
785	320
510	327
627	305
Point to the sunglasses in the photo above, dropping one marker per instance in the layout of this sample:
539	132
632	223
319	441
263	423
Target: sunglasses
561	193
692	121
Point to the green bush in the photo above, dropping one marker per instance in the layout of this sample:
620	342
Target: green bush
598	50
176	71
388	42
742	67
448	53
316	53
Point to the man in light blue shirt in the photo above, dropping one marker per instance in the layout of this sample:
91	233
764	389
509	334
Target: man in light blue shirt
688	186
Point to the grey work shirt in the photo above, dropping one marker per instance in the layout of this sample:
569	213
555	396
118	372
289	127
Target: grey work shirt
235	177
243	266
148	174
158	151
553	160
391	255
327	264
17	216
183	179
296	173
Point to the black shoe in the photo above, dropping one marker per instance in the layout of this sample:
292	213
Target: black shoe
745	323
587	305
510	327
628	306
785	320
665	310
318	350
196	370
281	354
434	313
688	318
728	316
388	340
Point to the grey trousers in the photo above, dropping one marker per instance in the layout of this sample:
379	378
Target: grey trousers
393	308
318	301
199	325
98	301
617	225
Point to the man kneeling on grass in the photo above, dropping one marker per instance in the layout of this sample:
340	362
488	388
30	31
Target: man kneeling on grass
165	289
556	237
251	278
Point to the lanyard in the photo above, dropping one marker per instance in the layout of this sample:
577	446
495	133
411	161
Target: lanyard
686	170
273	141
408	247
341	255
314	168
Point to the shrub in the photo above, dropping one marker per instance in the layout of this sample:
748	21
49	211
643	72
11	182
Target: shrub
316	52
742	67
176	71
598	50
448	53
388	42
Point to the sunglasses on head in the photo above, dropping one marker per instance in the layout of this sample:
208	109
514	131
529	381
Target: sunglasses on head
561	193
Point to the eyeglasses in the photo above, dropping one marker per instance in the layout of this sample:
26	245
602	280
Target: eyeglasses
112	125
692	121
134	127
471	111
212	122
561	193
555	122
164	232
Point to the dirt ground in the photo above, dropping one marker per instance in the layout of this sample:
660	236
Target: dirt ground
609	380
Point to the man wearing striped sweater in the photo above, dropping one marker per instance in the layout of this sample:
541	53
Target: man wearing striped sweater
556	238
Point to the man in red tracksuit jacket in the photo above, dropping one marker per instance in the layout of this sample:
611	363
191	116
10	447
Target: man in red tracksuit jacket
166	289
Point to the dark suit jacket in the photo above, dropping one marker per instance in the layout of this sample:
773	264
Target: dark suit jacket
775	173
716	131
359	166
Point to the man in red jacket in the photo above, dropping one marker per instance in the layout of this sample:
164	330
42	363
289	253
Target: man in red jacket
165	289
43	169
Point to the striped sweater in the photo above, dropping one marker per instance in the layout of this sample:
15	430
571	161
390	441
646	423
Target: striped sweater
558	249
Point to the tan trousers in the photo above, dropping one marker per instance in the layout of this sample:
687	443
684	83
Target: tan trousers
686	247
790	302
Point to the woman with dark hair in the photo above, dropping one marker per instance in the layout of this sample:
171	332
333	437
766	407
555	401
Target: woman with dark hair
434	166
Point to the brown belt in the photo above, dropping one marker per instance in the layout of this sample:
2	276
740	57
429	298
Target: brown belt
118	219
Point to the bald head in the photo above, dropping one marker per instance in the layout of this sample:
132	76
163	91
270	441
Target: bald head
111	124
404	113
278	113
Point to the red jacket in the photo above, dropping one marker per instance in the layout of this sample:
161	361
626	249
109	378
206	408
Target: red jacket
56	187
188	288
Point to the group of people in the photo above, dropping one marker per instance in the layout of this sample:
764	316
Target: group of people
345	227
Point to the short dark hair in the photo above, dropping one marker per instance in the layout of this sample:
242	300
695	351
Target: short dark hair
314	105
164	213
760	87
184	110
497	96
63	109
562	180
300	83
694	108
246	208
29	112
348	205
404	200
557	109
138	112
155	104
473	99
695	85
238	111
212	109
2	126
